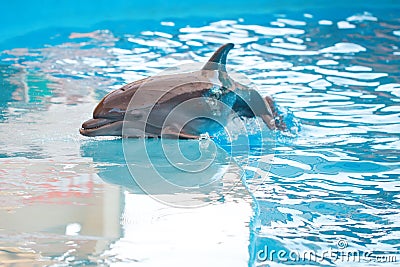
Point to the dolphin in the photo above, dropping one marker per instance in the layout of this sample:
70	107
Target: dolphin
155	106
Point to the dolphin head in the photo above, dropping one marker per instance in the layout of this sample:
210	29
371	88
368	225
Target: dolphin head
109	114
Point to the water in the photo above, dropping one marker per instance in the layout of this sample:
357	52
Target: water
334	178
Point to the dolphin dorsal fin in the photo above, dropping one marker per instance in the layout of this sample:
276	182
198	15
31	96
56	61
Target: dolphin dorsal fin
218	59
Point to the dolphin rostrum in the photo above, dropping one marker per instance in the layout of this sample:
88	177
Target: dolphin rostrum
183	105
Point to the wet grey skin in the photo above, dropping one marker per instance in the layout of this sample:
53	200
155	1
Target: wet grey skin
141	108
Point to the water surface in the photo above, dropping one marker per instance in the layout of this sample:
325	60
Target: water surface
70	200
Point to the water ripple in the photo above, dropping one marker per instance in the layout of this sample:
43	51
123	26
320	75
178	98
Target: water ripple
335	78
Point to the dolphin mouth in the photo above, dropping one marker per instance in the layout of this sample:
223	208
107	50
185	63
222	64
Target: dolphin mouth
101	126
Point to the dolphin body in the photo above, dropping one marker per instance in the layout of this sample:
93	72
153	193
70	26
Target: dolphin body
183	105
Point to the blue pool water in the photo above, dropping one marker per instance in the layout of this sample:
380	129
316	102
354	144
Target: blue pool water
328	185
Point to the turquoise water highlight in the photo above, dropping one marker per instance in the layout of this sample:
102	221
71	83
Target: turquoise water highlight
335	177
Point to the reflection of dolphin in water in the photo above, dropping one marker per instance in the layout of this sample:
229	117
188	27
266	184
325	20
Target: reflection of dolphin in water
108	157
143	107
218	176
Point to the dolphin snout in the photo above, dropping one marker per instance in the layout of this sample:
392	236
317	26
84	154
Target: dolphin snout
94	123
101	126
